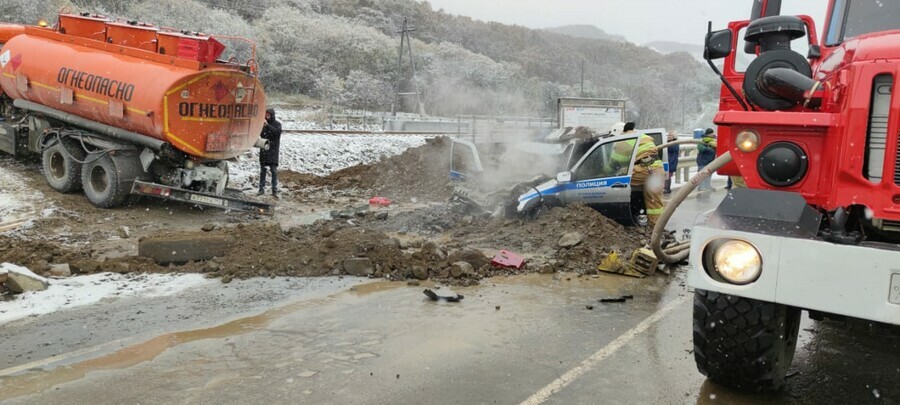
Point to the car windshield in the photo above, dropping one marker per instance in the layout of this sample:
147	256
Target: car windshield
852	18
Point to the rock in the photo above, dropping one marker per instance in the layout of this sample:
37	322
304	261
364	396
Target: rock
182	249
420	272
227	279
416	242
413	283
211	267
570	239
460	269
60	270
381	216
20	279
84	266
546	269
360	267
212	226
124	232
42	266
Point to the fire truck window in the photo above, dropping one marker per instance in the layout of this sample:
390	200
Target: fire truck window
867	16
742	60
611	159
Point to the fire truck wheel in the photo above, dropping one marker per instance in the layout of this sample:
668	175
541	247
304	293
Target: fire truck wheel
743	343
107	180
61	167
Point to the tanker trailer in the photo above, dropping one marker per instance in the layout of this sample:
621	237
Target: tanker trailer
116	108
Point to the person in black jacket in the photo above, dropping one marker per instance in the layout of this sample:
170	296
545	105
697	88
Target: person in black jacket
268	158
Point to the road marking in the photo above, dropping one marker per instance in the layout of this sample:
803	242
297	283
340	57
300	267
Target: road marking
589	363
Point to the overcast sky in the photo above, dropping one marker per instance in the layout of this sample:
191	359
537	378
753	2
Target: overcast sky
639	21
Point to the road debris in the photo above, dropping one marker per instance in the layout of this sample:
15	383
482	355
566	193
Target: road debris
449	298
509	260
644	261
570	239
619	299
612	263
379	201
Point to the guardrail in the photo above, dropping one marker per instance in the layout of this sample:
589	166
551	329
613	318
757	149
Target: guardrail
687	160
373	133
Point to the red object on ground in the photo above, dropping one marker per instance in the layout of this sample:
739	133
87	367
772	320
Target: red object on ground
382	201
507	259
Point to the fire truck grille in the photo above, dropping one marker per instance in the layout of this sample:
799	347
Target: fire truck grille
897	164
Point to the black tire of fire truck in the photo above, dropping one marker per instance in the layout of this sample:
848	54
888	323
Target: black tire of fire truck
61	165
108	179
744	343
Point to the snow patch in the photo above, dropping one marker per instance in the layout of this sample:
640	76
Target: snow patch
15	269
17	199
322	154
80	291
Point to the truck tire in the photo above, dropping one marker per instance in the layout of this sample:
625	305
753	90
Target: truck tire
107	180
61	166
743	343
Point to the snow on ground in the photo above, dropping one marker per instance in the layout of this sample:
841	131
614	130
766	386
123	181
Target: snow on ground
322	154
17	200
79	291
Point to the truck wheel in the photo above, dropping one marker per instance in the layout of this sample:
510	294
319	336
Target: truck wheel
61	167
107	180
743	343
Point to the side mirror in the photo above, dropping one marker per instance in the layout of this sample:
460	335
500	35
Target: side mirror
564	177
815	52
718	44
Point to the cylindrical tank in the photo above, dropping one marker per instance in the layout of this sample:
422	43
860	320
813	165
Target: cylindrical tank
212	112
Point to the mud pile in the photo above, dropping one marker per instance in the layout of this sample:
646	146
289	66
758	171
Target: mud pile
38	255
421	173
536	237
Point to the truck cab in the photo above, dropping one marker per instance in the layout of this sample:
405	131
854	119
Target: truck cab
811	125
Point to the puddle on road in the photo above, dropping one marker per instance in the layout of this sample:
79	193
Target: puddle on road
576	288
38	381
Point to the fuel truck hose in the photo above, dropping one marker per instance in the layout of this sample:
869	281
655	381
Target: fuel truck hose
680	252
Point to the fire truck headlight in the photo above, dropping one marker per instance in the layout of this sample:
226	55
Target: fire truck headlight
734	261
747	141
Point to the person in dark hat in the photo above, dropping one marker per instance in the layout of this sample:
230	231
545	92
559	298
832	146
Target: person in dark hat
268	158
706	153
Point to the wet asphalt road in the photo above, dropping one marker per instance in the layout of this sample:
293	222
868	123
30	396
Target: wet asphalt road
528	338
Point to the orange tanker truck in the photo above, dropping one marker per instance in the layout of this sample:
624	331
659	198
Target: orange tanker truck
117	107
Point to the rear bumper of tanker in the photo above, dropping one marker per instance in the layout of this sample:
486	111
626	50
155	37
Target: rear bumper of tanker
224	201
855	281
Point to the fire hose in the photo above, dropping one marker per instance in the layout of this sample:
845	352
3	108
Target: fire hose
679	252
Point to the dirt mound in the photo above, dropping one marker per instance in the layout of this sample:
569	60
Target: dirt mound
539	237
421	172
37	255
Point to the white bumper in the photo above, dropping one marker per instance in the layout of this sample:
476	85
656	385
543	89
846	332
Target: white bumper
860	282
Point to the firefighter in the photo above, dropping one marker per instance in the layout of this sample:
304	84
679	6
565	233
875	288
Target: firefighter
648	170
269	158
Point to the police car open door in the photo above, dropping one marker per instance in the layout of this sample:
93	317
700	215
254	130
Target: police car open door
602	178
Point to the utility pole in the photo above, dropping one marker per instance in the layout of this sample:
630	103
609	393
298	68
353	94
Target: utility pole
399	94
582	78
683	124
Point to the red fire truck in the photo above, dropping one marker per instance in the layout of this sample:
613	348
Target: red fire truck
815	137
